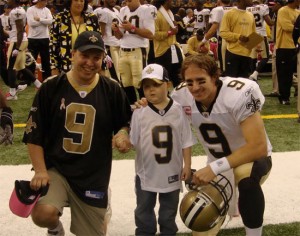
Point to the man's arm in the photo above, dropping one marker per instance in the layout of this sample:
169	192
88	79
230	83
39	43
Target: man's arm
20	32
254	149
41	177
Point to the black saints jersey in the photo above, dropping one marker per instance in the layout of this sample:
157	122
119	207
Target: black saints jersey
74	125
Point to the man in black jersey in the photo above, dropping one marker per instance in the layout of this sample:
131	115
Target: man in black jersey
69	136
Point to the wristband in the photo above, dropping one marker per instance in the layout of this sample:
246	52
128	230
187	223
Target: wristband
220	165
124	131
204	40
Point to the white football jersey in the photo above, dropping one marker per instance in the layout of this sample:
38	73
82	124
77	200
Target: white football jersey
142	17
200	18
159	137
108	17
183	96
218	129
15	14
217	14
259	12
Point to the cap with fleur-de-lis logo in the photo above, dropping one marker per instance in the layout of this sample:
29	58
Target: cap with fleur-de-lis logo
89	40
155	72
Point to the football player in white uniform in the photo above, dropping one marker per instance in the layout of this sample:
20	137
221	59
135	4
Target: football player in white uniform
162	137
215	19
262	17
201	16
134	31
16	52
225	112
108	15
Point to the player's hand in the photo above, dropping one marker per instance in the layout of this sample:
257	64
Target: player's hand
203	176
7	126
174	30
40	179
15	52
121	142
54	72
108	61
140	103
244	39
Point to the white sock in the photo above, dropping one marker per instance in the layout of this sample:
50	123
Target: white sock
12	91
37	83
254	74
253	232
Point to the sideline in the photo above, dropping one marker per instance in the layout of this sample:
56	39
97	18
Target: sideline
267	117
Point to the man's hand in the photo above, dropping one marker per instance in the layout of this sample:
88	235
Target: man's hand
15	53
140	103
244	39
7	126
39	180
203	176
121	141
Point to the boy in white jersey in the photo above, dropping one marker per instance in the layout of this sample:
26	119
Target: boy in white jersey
162	137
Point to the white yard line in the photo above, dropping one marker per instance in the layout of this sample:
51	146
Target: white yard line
282	191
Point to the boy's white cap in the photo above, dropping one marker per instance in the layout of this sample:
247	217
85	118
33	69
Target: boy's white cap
155	72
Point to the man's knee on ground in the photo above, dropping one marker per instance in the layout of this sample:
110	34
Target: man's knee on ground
45	216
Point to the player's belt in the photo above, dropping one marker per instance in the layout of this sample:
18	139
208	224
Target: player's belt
128	49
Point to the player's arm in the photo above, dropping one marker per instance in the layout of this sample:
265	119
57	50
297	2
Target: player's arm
102	28
225	30
20	32
255	148
268	20
210	33
187	161
41	177
143	32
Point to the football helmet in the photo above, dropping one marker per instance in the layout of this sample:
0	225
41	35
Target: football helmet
205	206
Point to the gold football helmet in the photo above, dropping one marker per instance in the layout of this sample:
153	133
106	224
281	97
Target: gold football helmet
204	207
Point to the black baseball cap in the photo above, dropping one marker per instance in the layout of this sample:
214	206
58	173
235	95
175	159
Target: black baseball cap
23	198
89	40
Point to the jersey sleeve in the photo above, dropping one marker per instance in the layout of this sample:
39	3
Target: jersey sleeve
249	101
265	10
149	16
99	12
37	119
215	15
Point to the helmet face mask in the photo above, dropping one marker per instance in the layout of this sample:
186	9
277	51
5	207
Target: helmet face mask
204	207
